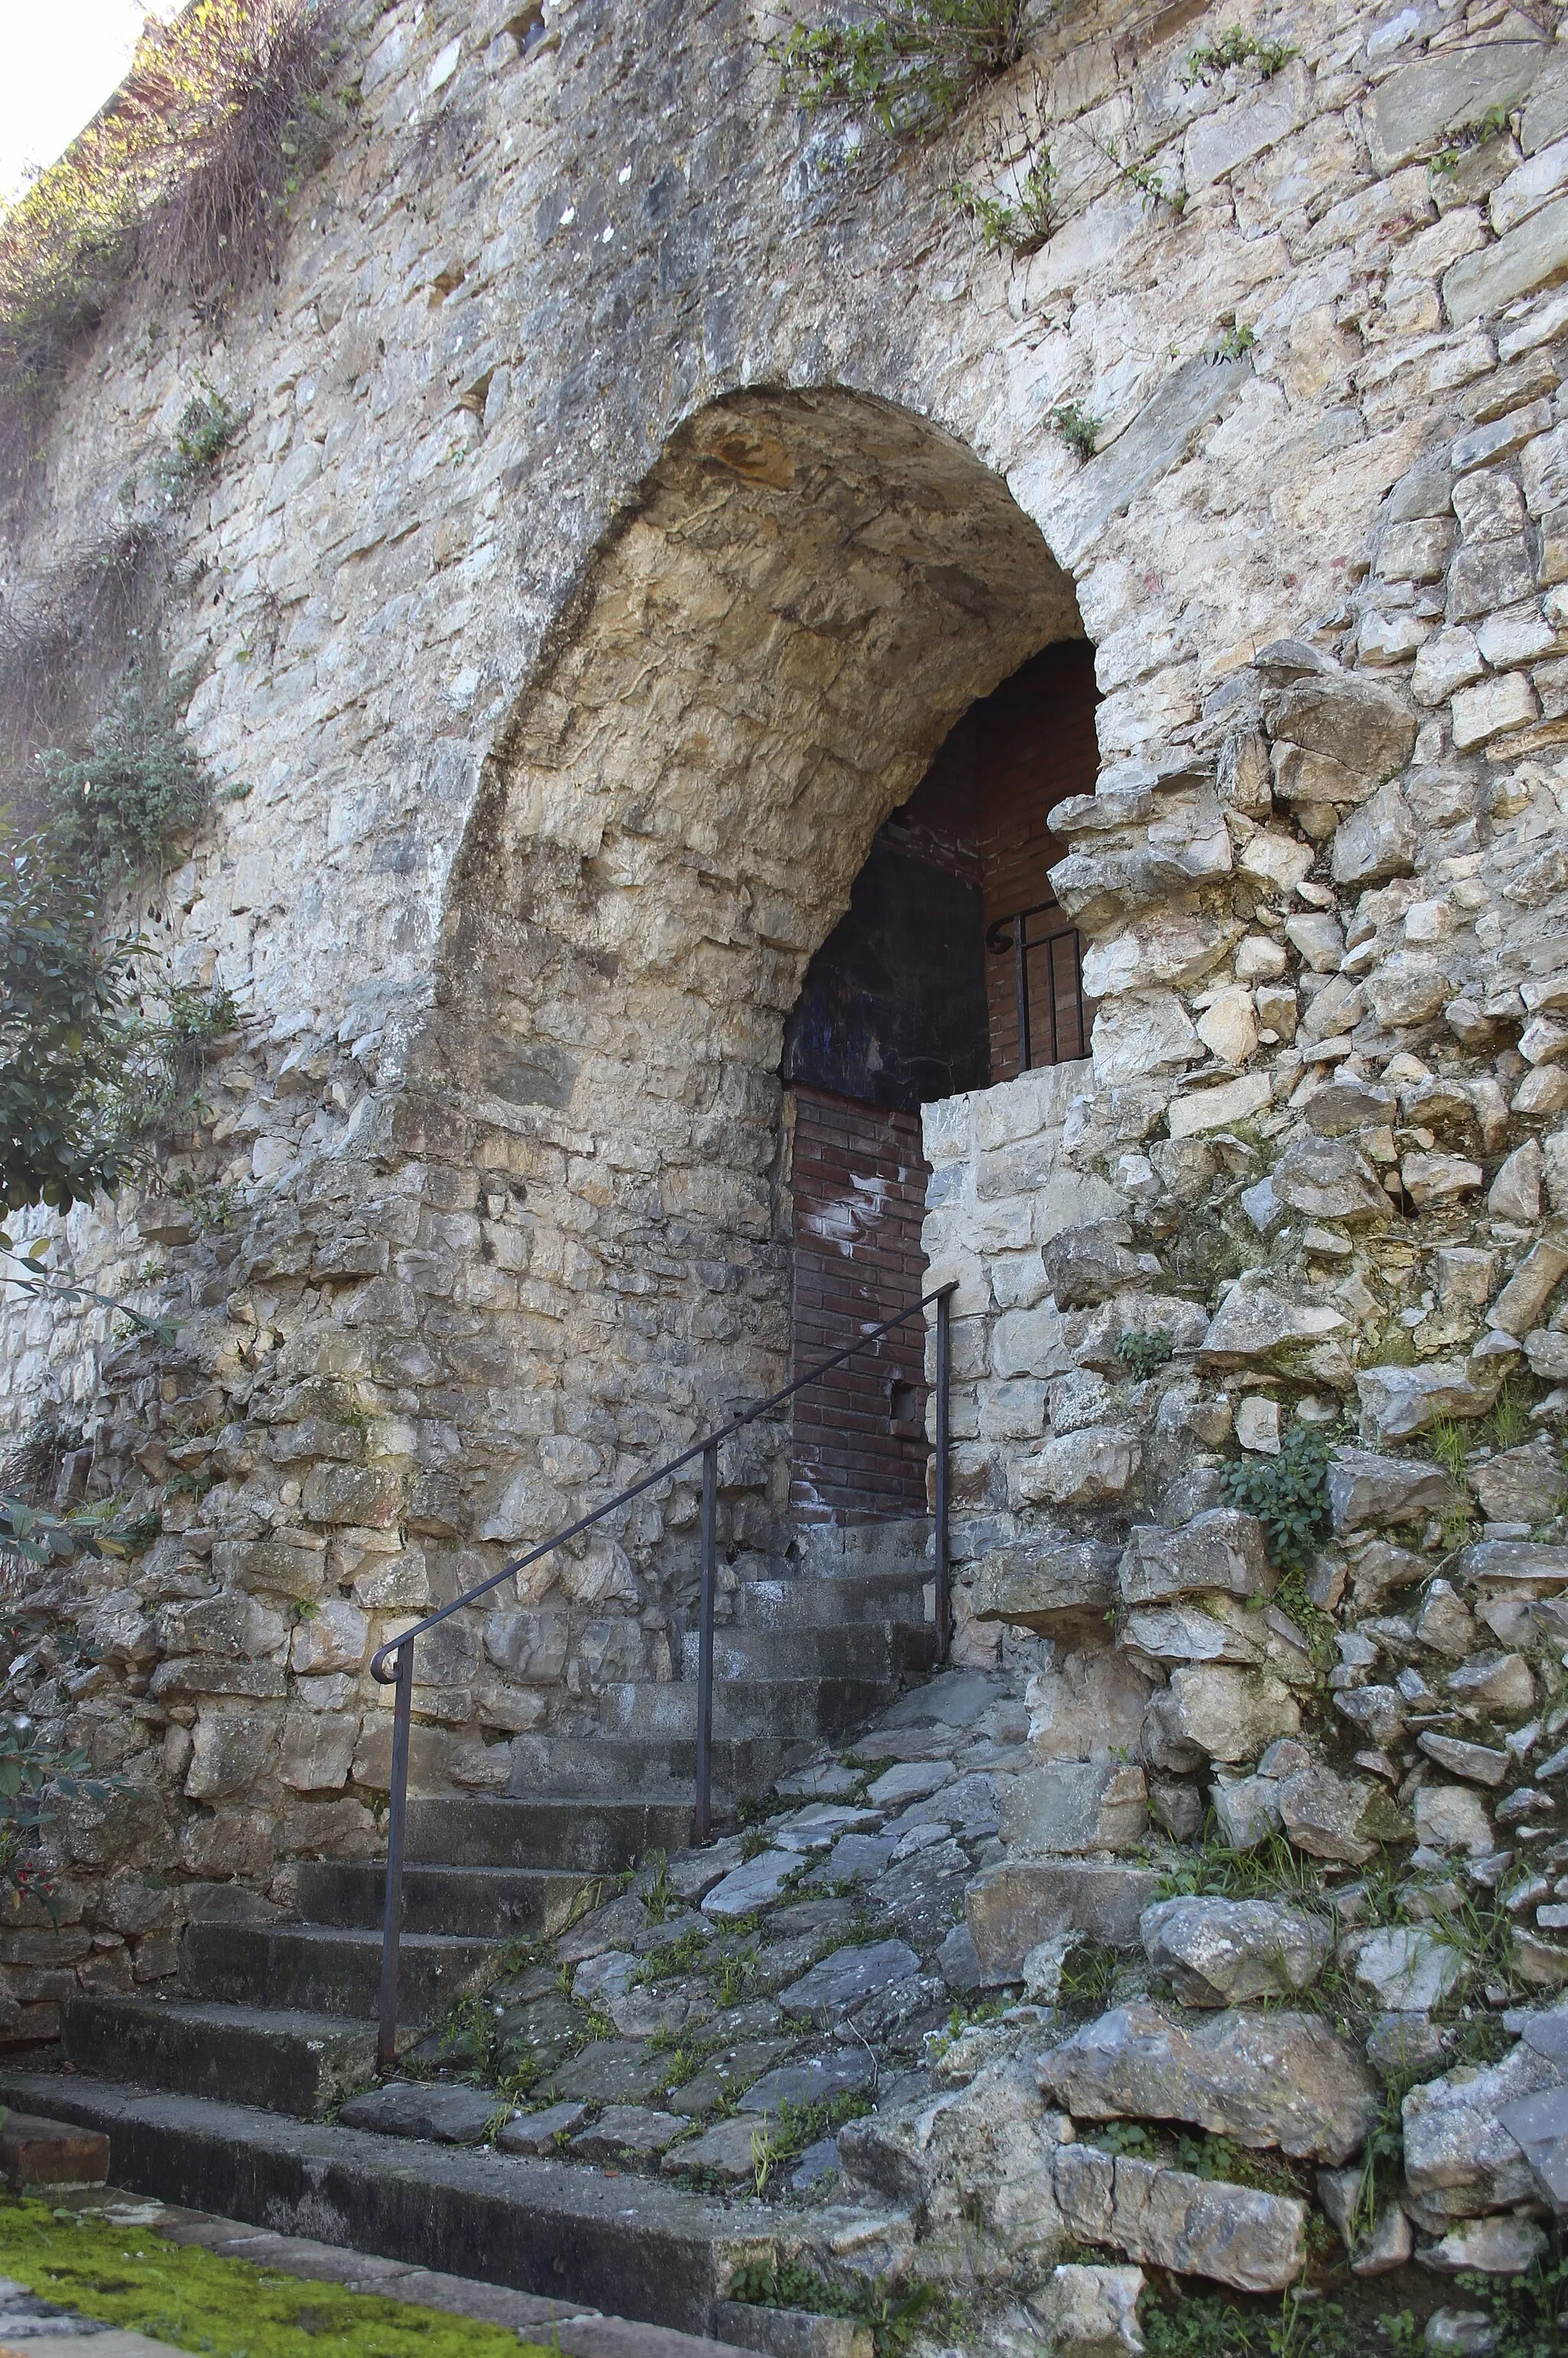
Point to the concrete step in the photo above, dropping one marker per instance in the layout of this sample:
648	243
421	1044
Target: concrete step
285	2061
631	2246
549	1829
493	1903
807	1603
790	1710
745	1653
329	1969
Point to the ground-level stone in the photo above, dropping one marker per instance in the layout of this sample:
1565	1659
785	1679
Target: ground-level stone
1263	2079
1168	2219
1221	1952
1014	1906
448	2116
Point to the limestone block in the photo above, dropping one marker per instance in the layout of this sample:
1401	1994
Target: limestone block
1013	1907
1439	1178
336	1637
1228	1025
1278	2079
1459	2158
1219	1108
1529	256
1229	1714
1092	2310
1142	1031
1088	1264
1255	1323
1417	551
234	1626
1356	722
1276	858
231	1751
1049	1587
370	1495
1091	1336
1165	950
1088	1705
1410	110
1220	1952
1367	1491
1514	1193
1080	1470
1220	1550
1331	1816
1398	1402
1167	2218
1376	841
317	1750
1319	940
529	1647
1407	988
1328	1179
1483	712
1518	1306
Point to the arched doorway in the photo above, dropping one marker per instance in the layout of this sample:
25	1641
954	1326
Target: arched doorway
952	968
757	669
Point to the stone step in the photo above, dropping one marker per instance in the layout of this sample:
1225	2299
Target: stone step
283	2060
746	1653
329	1969
493	1903
631	2246
807	1603
661	1768
549	1829
788	1710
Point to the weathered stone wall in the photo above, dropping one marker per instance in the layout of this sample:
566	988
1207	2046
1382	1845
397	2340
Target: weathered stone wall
627	507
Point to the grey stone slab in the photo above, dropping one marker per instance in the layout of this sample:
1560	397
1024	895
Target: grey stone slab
843	1981
1167	2218
814	2081
1015	1904
409	2108
627	2132
1534	255
612	2072
1158	438
537	2132
1411	110
953	1699
862	1854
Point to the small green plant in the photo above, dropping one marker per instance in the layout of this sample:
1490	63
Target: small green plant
912	65
1274	1868
1235	342
1142	1354
1077	428
1235	47
1088	1976
1142	179
208	423
1494	123
893	2315
129	803
1026	223
1449	1442
1509	1420
1289	1494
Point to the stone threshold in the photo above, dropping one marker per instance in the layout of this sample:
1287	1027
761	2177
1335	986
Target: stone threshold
489	2227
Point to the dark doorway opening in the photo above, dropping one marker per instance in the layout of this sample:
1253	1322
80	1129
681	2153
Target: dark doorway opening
921	991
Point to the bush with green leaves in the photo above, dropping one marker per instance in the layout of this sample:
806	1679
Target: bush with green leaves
64	1002
912	65
129	803
1289	1494
1142	1354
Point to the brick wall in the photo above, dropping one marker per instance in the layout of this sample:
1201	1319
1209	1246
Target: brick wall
859	1198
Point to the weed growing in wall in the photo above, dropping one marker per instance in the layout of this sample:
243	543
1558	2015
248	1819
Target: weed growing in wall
1289	1494
208	423
1019	215
910	66
1078	429
1236	47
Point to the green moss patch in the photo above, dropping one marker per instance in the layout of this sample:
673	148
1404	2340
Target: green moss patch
131	2277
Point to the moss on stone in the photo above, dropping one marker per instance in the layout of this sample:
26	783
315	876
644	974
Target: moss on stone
130	2277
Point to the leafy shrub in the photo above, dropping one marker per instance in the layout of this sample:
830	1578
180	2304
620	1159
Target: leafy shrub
1289	1494
124	806
208	423
65	640
63	1035
1022	225
912	65
34	1774
1143	1353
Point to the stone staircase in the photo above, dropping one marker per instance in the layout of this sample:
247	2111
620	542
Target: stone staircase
277	2017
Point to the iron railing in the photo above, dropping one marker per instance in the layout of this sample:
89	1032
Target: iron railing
399	1651
1012	934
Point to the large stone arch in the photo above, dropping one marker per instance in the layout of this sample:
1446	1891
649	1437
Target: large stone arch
757	668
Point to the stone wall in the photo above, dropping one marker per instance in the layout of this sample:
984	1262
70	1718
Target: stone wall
627	507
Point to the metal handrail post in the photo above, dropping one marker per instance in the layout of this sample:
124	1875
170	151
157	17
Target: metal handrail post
1020	987
940	1503
702	1816
397	1818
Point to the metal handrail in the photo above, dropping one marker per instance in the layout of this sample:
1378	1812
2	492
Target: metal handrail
999	939
401	1675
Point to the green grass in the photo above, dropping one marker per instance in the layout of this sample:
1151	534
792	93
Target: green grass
130	2277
